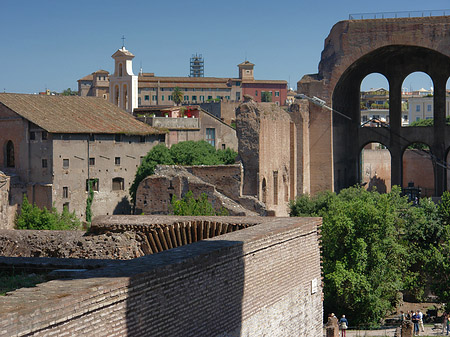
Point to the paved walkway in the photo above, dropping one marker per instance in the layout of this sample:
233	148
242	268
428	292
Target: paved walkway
389	332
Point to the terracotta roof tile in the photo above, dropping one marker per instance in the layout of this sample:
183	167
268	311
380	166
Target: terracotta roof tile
75	114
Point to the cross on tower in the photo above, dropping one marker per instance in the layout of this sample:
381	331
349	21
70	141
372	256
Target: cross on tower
123	41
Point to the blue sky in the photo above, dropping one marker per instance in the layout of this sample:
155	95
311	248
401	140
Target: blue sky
53	43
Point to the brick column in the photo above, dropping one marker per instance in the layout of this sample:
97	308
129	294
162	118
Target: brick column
395	122
438	147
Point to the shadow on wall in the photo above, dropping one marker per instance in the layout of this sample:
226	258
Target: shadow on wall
378	183
199	292
123	207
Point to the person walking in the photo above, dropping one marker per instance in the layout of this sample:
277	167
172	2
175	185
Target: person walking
419	313
343	326
415	320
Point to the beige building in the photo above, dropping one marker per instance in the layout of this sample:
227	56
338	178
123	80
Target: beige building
54	145
130	91
190	123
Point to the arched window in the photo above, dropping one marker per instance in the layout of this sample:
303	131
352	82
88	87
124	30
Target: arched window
120	69
116	95
10	161
125	97
264	191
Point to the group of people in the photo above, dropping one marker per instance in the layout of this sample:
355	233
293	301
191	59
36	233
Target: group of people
343	323
417	318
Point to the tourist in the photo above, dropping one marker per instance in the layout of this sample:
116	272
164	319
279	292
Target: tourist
419	313
343	325
415	320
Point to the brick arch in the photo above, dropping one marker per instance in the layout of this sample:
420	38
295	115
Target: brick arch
395	63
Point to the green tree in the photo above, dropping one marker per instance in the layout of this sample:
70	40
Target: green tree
157	155
32	217
363	259
188	205
266	96
69	92
177	96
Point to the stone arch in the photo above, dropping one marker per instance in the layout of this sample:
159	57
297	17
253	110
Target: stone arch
395	62
10	154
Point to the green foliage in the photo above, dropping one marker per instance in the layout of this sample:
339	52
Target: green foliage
427	122
188	205
32	217
266	96
183	153
177	95
69	92
375	245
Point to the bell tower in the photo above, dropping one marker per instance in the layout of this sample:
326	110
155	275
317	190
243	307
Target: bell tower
246	71
123	84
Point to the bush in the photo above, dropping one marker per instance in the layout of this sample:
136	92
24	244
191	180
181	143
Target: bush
32	217
188	205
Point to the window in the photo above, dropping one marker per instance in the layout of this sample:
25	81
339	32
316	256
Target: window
44	135
227	97
162	138
147	97
139	101
277	94
153	97
429	107
66	206
194	98
275	187
202	98
169	98
117	138
186	98
209	97
32	135
211	136
10	162
405	117
117	161
65	192
91	161
91	137
256	92
141	139
224	146
65	163
118	184
44	163
364	118
162	98
94	182
417	108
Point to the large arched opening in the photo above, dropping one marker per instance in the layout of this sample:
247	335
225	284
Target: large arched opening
417	94
374	100
395	62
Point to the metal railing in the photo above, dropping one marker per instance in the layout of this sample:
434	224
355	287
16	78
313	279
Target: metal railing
401	14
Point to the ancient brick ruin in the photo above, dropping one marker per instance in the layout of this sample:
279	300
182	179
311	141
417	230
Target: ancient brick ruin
264	279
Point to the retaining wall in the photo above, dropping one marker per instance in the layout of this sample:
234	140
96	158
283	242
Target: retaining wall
264	280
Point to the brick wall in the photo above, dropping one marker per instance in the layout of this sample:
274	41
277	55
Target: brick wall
256	281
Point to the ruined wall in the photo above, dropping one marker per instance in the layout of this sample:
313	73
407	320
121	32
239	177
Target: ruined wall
268	150
154	193
259	281
5	208
376	169
226	179
418	168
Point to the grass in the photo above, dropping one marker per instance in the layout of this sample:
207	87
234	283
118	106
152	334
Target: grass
10	282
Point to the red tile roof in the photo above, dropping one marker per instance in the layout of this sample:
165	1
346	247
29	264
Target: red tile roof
75	114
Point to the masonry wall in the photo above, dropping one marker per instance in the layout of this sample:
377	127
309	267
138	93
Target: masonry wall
259	281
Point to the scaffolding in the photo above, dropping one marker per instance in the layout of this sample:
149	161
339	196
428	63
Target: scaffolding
197	66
